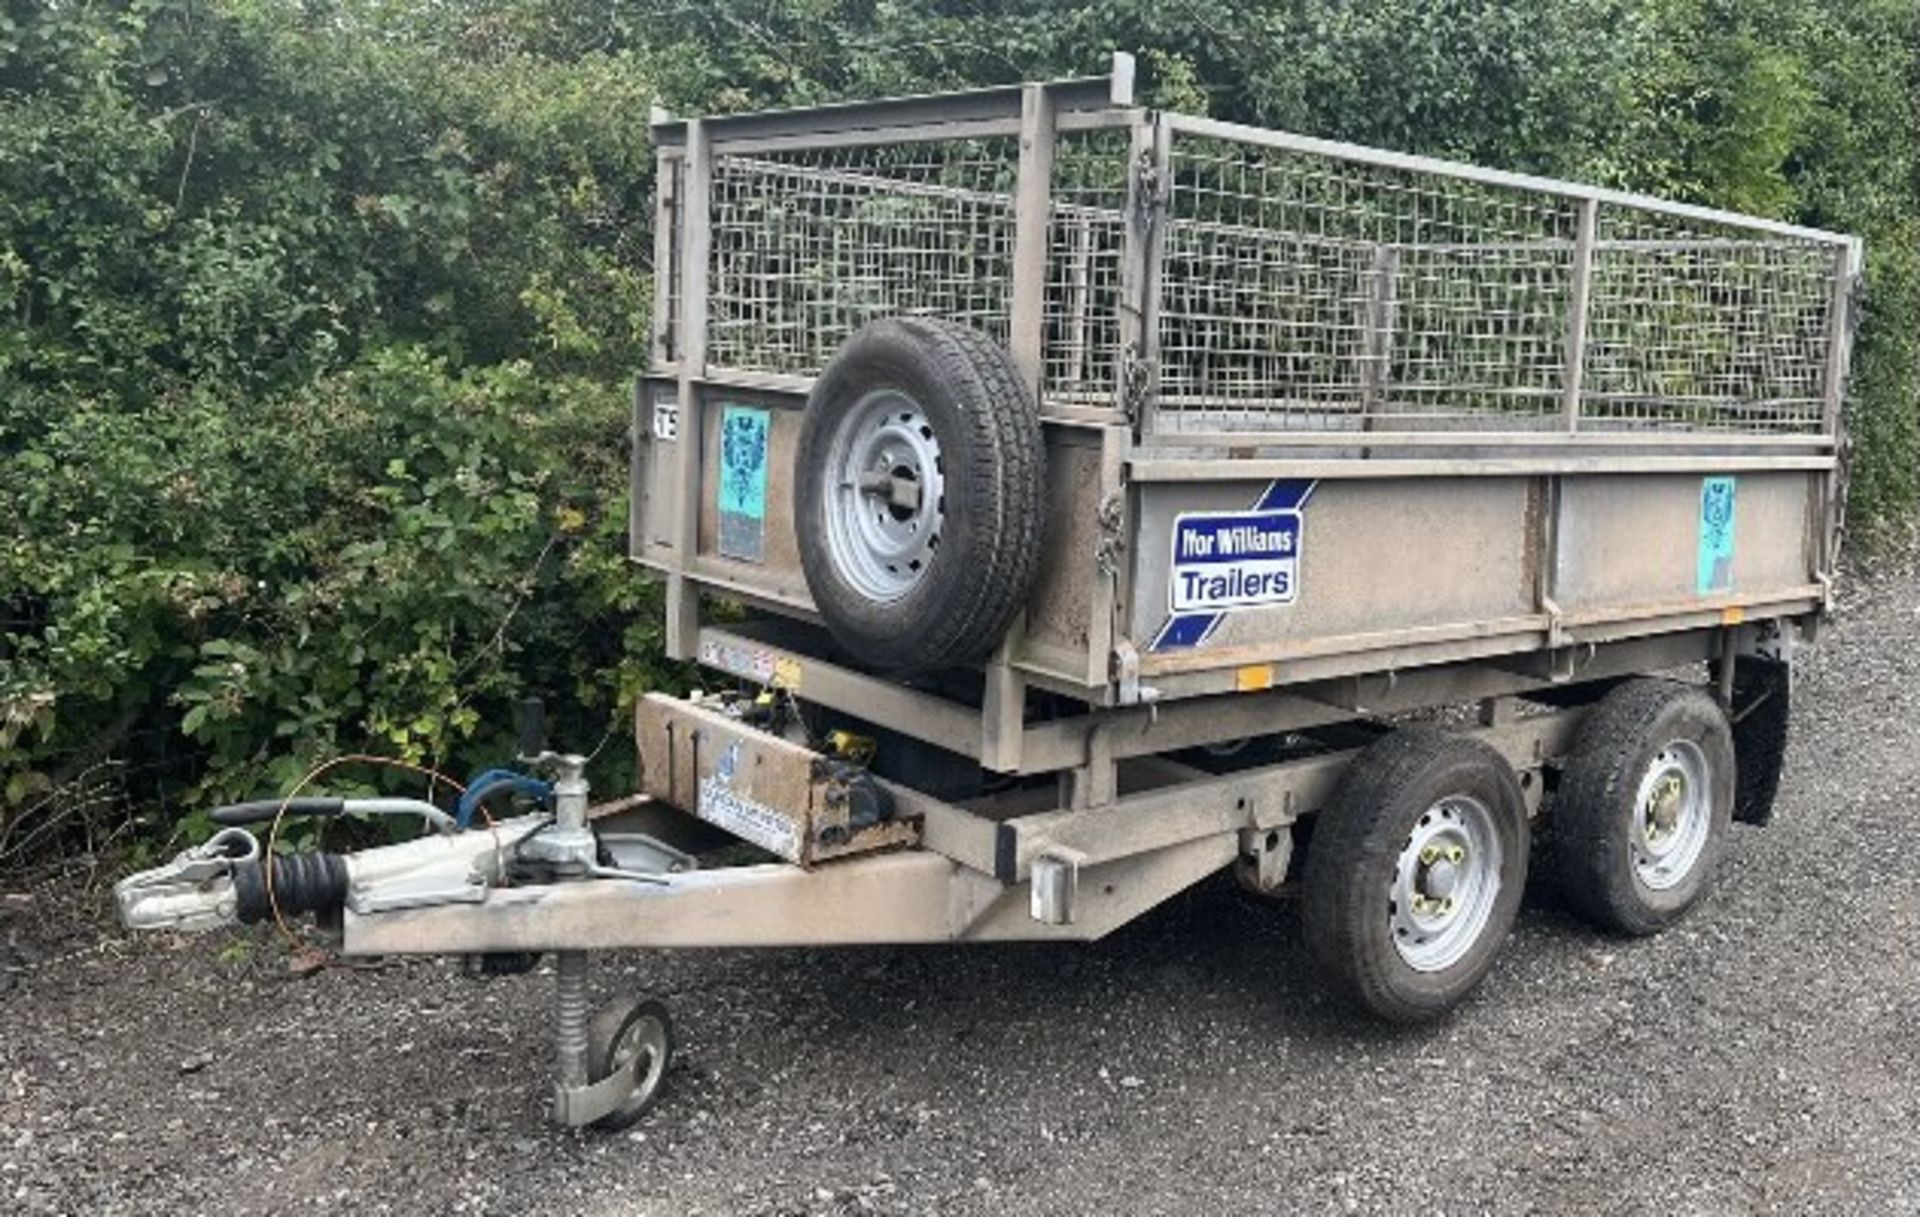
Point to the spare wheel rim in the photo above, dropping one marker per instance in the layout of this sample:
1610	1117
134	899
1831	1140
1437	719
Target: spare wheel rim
886	498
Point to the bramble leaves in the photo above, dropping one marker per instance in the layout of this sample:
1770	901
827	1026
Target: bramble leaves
319	317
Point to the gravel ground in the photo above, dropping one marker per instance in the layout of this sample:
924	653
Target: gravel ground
1760	1057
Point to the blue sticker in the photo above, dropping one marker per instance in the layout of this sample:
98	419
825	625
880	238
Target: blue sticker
1226	560
1716	535
743	482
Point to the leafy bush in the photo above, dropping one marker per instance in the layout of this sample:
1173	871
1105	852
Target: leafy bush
315	398
381	558
321	313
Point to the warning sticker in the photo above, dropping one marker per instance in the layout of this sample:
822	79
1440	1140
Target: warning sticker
756	664
719	804
743	482
666	417
1242	559
1715	568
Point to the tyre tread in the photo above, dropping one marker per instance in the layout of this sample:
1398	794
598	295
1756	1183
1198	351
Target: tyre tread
1353	830
1591	855
1005	485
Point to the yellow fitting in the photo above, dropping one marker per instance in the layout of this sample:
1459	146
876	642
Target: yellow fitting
856	748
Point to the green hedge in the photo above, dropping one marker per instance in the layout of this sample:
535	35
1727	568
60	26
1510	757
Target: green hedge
321	315
314	382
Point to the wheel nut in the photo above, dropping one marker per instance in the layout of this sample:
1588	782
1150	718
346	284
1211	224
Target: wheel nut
1429	854
1457	854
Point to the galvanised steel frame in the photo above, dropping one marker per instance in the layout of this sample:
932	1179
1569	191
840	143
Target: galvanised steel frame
1201	307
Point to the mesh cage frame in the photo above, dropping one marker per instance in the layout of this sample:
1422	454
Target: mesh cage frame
1297	287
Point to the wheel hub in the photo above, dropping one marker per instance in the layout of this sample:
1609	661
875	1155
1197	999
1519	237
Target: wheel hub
1446	881
1668	801
1441	878
1675	814
887	504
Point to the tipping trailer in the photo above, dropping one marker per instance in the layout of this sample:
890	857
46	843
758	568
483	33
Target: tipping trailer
1071	500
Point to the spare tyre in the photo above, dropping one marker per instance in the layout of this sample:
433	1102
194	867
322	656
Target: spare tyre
917	501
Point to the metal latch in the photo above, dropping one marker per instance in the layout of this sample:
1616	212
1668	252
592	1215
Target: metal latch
1136	382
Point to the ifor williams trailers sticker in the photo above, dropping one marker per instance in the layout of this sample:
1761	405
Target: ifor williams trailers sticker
1225	561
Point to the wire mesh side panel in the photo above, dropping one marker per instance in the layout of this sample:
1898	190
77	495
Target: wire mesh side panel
1300	290
1086	240
809	245
1303	291
1705	326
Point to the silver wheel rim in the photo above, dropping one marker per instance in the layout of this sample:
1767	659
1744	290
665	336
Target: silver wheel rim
1672	815
642	1054
887	499
1445	884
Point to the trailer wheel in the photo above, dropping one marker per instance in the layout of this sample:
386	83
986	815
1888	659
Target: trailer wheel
1644	803
636	1036
1415	872
918	501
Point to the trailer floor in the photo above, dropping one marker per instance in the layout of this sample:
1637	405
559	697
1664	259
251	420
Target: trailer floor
1760	1057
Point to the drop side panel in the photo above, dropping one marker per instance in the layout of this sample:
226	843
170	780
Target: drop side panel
1373	558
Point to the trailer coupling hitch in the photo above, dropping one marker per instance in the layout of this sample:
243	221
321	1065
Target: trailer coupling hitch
610	1065
230	881
224	882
